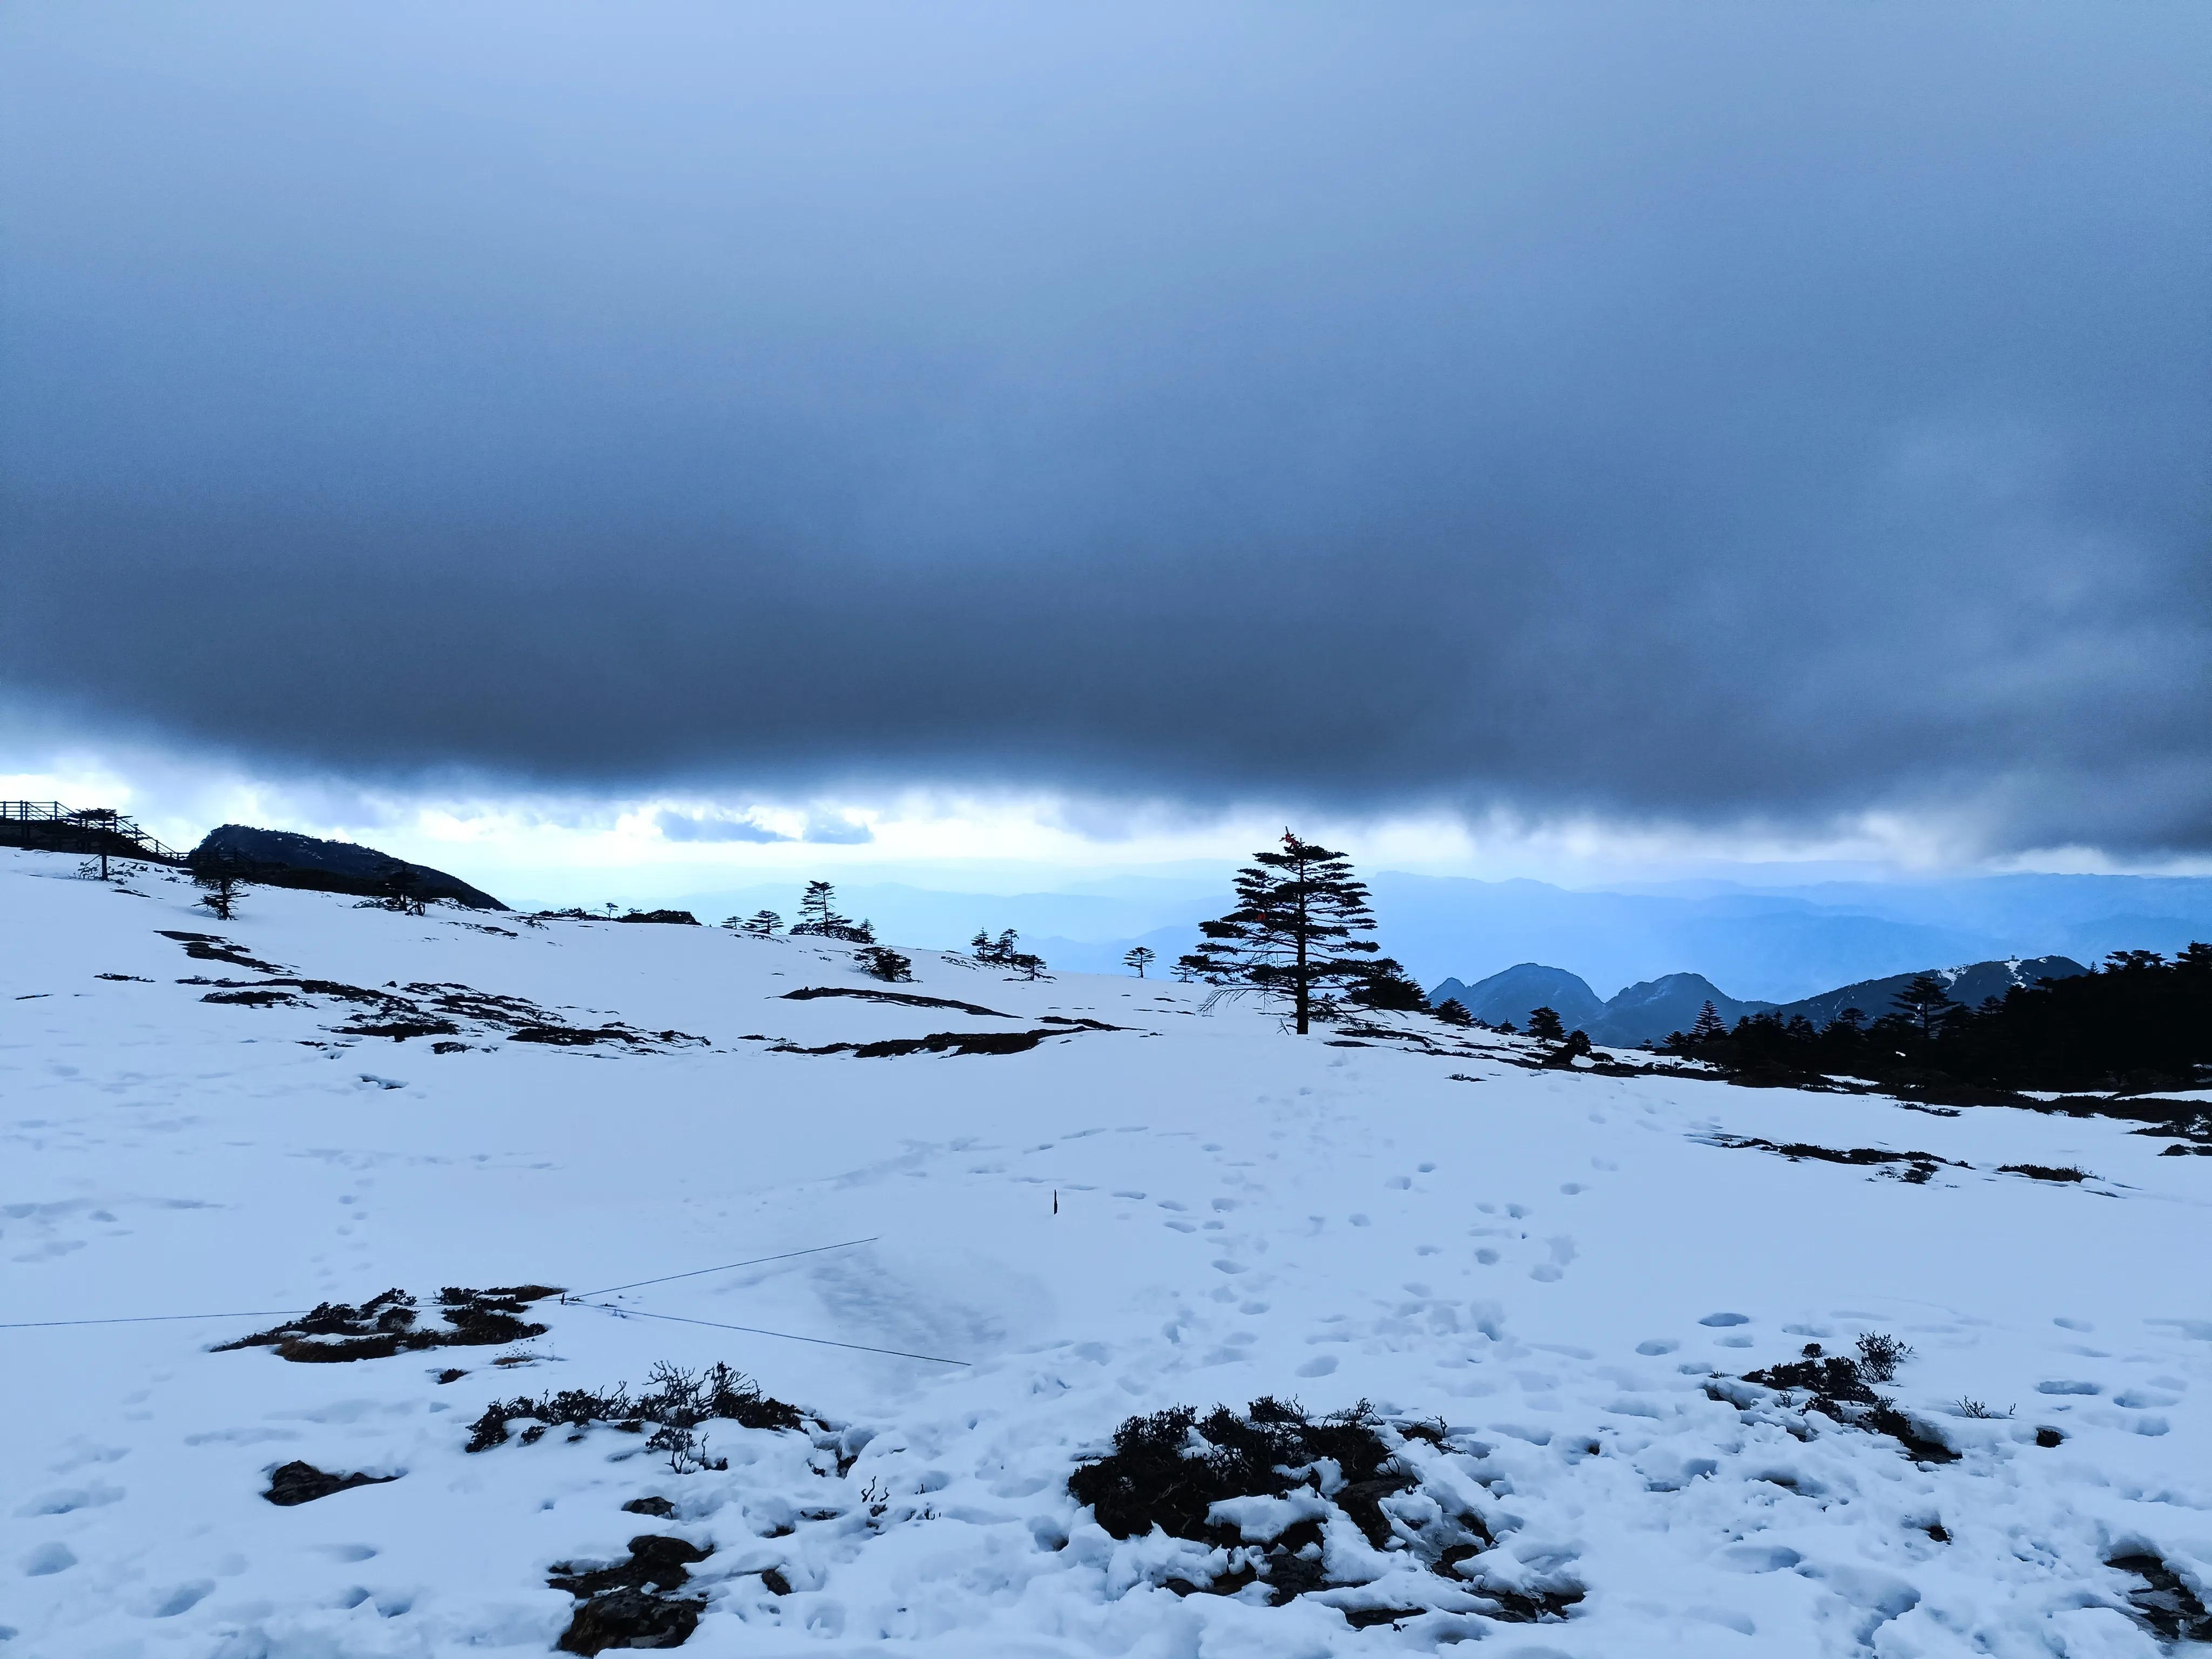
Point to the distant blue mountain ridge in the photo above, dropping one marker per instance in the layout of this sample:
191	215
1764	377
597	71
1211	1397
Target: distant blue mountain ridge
1769	944
1649	1011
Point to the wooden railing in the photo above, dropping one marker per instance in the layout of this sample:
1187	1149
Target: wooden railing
49	825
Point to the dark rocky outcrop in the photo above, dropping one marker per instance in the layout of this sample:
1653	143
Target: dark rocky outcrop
632	1604
278	858
303	1483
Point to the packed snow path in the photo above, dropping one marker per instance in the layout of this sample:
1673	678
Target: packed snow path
1567	1271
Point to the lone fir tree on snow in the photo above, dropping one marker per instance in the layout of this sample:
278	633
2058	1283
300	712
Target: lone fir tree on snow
819	916
1139	958
817	909
1452	1012
1295	930
763	923
881	961
1709	1024
1545	1023
217	878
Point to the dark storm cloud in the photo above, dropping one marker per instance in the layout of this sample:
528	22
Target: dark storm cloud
1710	414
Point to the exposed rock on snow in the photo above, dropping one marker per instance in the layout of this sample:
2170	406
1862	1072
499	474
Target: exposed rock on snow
302	1483
628	1604
936	1043
418	1009
902	999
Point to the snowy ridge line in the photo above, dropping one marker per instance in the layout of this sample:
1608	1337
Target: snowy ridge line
148	1319
730	1266
759	1330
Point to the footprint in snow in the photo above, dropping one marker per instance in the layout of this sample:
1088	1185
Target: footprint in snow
1725	1319
47	1560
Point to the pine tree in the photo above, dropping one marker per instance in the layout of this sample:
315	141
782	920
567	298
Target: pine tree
1925	1001
1573	1046
819	917
217	878
403	892
1708	1025
1545	1023
1139	958
999	952
884	963
763	923
1452	1012
1388	984
1297	927
817	909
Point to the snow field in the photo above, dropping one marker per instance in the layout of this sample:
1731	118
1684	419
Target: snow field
1556	1266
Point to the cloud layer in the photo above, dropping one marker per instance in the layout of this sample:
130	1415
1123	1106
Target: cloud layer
1709	416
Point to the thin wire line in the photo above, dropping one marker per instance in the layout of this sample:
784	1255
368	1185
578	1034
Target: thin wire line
758	1330
635	1284
574	1297
150	1319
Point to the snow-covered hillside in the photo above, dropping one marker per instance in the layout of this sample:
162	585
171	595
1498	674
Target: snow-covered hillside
1563	1275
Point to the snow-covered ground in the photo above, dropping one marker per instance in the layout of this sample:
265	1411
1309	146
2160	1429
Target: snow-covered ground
1190	1209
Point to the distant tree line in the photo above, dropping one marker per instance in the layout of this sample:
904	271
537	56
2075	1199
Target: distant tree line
2140	1021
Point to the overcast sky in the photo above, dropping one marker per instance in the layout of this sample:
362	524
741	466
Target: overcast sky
1756	418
